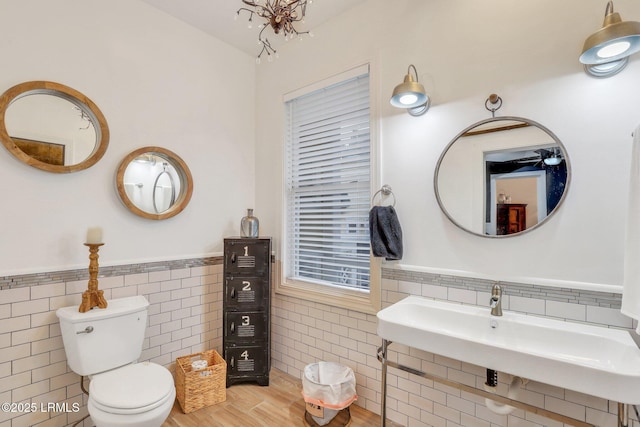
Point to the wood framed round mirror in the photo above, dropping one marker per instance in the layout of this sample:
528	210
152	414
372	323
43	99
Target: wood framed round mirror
154	183
52	127
502	177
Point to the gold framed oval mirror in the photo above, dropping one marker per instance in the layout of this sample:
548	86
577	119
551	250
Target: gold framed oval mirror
154	183
52	127
502	176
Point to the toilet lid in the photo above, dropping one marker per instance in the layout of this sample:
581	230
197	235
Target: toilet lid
133	386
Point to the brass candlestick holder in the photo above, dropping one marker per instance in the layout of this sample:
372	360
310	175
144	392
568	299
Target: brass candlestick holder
93	297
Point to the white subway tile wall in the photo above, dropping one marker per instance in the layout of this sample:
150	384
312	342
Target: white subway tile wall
305	332
185	316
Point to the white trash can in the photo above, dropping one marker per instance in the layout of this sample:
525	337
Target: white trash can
327	387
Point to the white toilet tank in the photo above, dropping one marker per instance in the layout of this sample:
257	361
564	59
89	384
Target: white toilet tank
104	338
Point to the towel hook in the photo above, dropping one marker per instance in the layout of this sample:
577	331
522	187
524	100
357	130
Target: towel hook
386	191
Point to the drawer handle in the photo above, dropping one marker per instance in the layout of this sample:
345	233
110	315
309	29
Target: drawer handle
87	330
233	327
232	362
233	258
233	293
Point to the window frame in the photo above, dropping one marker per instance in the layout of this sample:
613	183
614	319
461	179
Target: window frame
366	301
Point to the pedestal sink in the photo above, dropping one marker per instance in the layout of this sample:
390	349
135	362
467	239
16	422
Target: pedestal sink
597	361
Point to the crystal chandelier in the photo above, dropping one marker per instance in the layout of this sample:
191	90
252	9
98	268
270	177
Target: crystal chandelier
280	15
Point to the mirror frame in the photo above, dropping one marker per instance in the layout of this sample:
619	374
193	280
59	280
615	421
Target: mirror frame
186	187
69	94
496	119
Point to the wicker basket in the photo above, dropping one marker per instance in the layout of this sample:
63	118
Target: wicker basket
204	387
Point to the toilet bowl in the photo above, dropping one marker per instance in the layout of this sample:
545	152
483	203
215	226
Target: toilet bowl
105	344
136	395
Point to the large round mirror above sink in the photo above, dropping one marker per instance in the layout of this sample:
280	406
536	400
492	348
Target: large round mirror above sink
154	183
502	176
52	127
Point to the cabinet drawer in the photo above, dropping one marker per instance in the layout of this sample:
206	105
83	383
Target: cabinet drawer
246	292
247	360
246	256
246	325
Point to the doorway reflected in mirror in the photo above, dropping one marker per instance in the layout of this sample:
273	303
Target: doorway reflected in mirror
154	183
502	176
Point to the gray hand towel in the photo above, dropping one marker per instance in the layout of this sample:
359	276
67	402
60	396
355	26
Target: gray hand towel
385	232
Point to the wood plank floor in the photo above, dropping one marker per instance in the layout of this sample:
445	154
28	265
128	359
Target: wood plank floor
250	405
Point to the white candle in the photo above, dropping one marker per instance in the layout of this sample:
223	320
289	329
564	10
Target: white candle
94	235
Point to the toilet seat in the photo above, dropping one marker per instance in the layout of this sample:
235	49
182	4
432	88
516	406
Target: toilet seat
119	391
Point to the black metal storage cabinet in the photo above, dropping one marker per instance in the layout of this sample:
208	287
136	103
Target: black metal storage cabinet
246	309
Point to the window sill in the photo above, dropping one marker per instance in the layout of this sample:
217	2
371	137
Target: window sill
361	301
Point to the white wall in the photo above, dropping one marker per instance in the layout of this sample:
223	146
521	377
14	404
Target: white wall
464	50
526	52
158	82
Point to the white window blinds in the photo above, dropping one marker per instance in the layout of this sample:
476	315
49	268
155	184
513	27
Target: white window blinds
328	185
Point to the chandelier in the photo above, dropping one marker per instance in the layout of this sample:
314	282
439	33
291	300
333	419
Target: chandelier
280	15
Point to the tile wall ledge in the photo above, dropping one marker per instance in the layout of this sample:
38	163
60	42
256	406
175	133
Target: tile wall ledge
536	281
34	279
433	277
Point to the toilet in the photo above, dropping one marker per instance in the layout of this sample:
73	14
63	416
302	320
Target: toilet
104	344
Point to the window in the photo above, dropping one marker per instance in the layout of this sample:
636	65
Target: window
327	187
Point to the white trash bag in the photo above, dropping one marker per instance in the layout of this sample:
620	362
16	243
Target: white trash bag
327	387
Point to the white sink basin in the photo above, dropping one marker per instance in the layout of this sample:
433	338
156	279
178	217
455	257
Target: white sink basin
594	360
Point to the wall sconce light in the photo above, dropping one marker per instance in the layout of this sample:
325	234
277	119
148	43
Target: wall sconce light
606	52
411	95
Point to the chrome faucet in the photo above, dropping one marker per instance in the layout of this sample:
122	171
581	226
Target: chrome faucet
496	300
